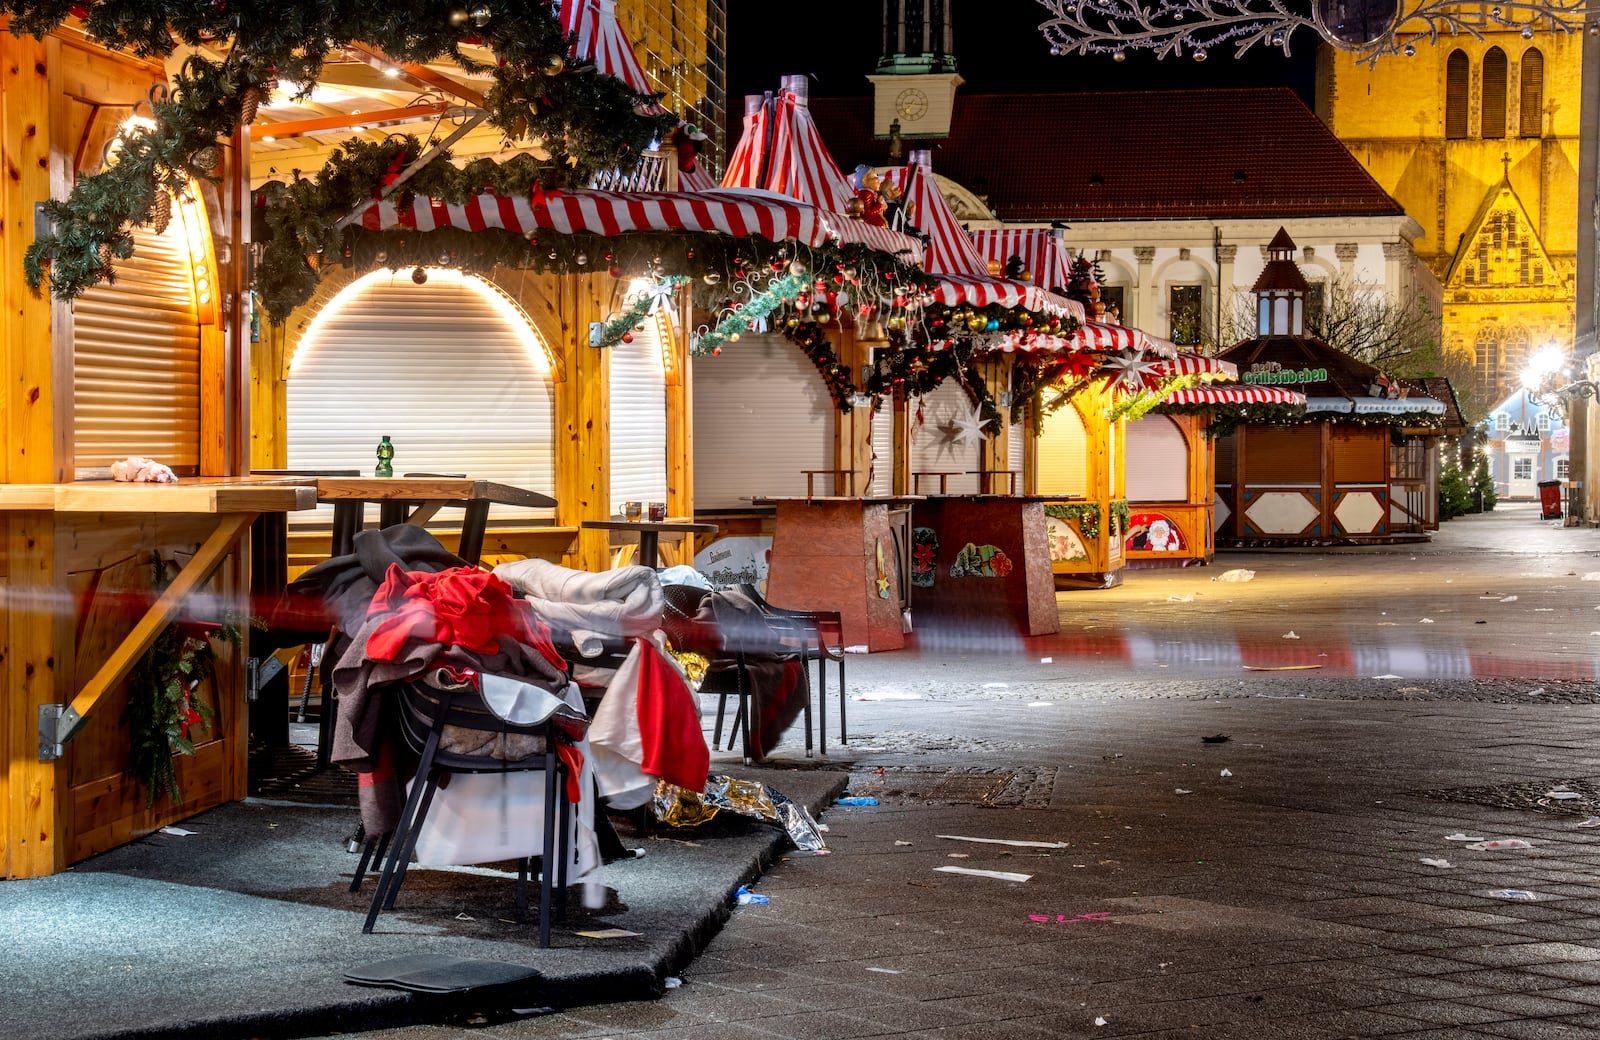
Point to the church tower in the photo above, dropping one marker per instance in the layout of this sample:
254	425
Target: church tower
1478	140
914	85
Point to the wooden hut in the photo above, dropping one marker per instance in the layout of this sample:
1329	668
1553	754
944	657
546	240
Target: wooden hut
1329	474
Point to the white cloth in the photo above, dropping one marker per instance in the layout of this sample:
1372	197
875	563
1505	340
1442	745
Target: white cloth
138	469
592	608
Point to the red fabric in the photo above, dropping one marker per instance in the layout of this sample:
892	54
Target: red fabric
459	606
572	756
669	723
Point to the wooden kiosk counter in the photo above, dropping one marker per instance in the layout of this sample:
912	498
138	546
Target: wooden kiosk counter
93	572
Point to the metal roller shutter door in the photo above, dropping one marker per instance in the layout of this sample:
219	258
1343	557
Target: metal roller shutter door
448	369
1014	448
930	452
638	419
136	359
1063	454
1158	461
883	448
761	415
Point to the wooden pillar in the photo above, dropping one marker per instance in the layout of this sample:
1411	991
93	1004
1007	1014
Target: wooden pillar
583	417
995	452
901	444
680	410
35	409
1325	468
852	443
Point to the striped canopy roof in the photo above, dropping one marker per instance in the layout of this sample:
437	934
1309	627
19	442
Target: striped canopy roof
601	42
1041	250
1100	336
736	213
781	151
961	273
1235	395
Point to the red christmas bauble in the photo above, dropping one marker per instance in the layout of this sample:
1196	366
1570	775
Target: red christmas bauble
627	337
614	271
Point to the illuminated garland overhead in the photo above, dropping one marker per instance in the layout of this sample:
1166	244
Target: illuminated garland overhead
620	328
1368	28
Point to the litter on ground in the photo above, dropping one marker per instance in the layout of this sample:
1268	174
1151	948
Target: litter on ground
1017	842
1459	836
1237	574
1437	862
1499	844
998	875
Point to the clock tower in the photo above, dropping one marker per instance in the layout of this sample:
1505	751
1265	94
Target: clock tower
915	81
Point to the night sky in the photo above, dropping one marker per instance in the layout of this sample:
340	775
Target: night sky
999	49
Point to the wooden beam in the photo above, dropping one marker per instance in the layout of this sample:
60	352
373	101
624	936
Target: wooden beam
194	574
347	120
420	74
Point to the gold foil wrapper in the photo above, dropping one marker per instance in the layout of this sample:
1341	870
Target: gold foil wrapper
694	665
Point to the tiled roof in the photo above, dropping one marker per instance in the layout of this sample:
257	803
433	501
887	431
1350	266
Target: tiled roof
1346	375
1255	152
1440	389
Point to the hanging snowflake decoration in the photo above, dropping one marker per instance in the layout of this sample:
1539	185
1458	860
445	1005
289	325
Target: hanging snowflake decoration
1368	28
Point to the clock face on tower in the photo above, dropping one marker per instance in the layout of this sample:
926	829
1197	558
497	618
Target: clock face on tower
911	104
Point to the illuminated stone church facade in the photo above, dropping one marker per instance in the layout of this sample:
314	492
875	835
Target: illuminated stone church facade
1478	140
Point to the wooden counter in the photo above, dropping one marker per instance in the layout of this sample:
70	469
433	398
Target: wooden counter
981	557
94	573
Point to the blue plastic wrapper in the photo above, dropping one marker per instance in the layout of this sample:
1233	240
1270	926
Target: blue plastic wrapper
857	801
745	897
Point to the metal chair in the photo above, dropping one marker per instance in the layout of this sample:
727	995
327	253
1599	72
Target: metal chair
423	714
824	643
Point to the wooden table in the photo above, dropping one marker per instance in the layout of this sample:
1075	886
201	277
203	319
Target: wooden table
649	532
415	500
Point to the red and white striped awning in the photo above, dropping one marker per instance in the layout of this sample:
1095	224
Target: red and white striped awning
1187	364
1235	395
601	42
736	213
782	151
961	274
1096	335
1041	250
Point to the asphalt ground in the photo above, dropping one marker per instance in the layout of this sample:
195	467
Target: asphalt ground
1304	872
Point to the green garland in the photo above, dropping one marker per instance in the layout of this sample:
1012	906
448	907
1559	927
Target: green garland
740	316
1135	405
162	710
1085	514
636	311
585	122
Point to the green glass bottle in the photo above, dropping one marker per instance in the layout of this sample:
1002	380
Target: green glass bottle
385	466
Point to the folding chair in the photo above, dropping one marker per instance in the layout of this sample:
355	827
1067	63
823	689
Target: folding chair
424	712
824	642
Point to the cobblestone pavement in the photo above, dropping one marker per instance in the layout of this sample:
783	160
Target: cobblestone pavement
1315	874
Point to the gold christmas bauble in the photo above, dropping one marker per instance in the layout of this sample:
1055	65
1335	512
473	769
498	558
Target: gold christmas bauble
994	268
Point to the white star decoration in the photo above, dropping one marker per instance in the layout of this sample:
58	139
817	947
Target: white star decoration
1129	370
959	429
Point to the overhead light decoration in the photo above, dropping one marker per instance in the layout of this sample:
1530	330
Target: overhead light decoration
1369	29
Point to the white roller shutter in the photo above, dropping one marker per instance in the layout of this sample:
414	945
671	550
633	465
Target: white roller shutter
883	448
1158	461
638	419
931	450
1014	448
136	359
1064	454
447	369
761	416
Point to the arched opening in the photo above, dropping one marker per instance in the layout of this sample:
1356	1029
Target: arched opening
450	369
762	415
639	415
1457	77
1530	104
136	346
1157	460
1064	454
1493	121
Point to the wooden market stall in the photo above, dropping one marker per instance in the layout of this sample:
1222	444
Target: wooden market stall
94	570
1328	474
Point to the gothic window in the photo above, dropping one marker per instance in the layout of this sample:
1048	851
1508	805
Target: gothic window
1530	109
1488	365
1527	260
1494	94
1496	229
1456	77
